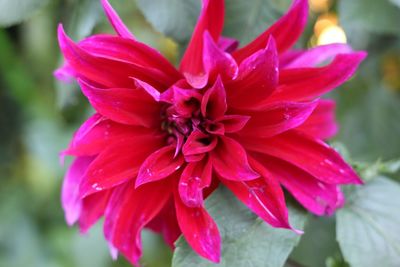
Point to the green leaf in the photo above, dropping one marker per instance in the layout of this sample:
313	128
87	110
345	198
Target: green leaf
247	240
174	18
369	15
245	20
368	226
396	2
15	11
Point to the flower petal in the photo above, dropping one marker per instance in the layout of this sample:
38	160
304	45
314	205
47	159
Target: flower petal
229	160
309	154
216	61
98	132
213	104
277	118
131	51
198	143
212	20
105	71
123	105
195	177
307	83
257	79
159	165
129	210
234	123
118	163
286	31
93	208
316	196
116	21
312	57
228	44
264	196
199	230
321	123
71	202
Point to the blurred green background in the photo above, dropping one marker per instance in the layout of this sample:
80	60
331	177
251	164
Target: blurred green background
38	115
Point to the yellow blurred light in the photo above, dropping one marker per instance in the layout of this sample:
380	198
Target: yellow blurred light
324	22
332	34
320	6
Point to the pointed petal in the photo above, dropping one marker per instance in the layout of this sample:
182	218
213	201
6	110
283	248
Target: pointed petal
312	57
126	50
228	44
98	132
216	61
118	163
65	74
105	71
212	20
278	118
195	177
257	79
71	202
123	105
318	197
213	104
263	196
322	123
234	123
286	31
309	154
150	90
198	143
186	101
229	160
93	208
308	83
199	230
159	165
166	223
129	210
116	21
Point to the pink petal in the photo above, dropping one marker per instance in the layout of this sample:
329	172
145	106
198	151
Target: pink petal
263	196
126	50
258	78
123	105
70	199
309	154
229	160
159	165
316	196
199	230
228	44
118	163
278	118
195	177
65	74
286	31
213	104
98	132
116	21
198	143
321	123
234	123
186	101
105	71
308	83
216	61
312	57
166	223
128	211
212	20
93	208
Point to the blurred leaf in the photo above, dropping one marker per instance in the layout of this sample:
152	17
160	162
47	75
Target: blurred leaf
174	18
15	11
85	14
368	226
396	2
245	20
369	15
247	240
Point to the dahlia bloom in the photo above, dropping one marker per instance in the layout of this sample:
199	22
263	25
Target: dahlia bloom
163	139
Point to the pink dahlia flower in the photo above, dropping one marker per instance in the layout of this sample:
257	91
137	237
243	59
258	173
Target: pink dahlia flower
163	138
